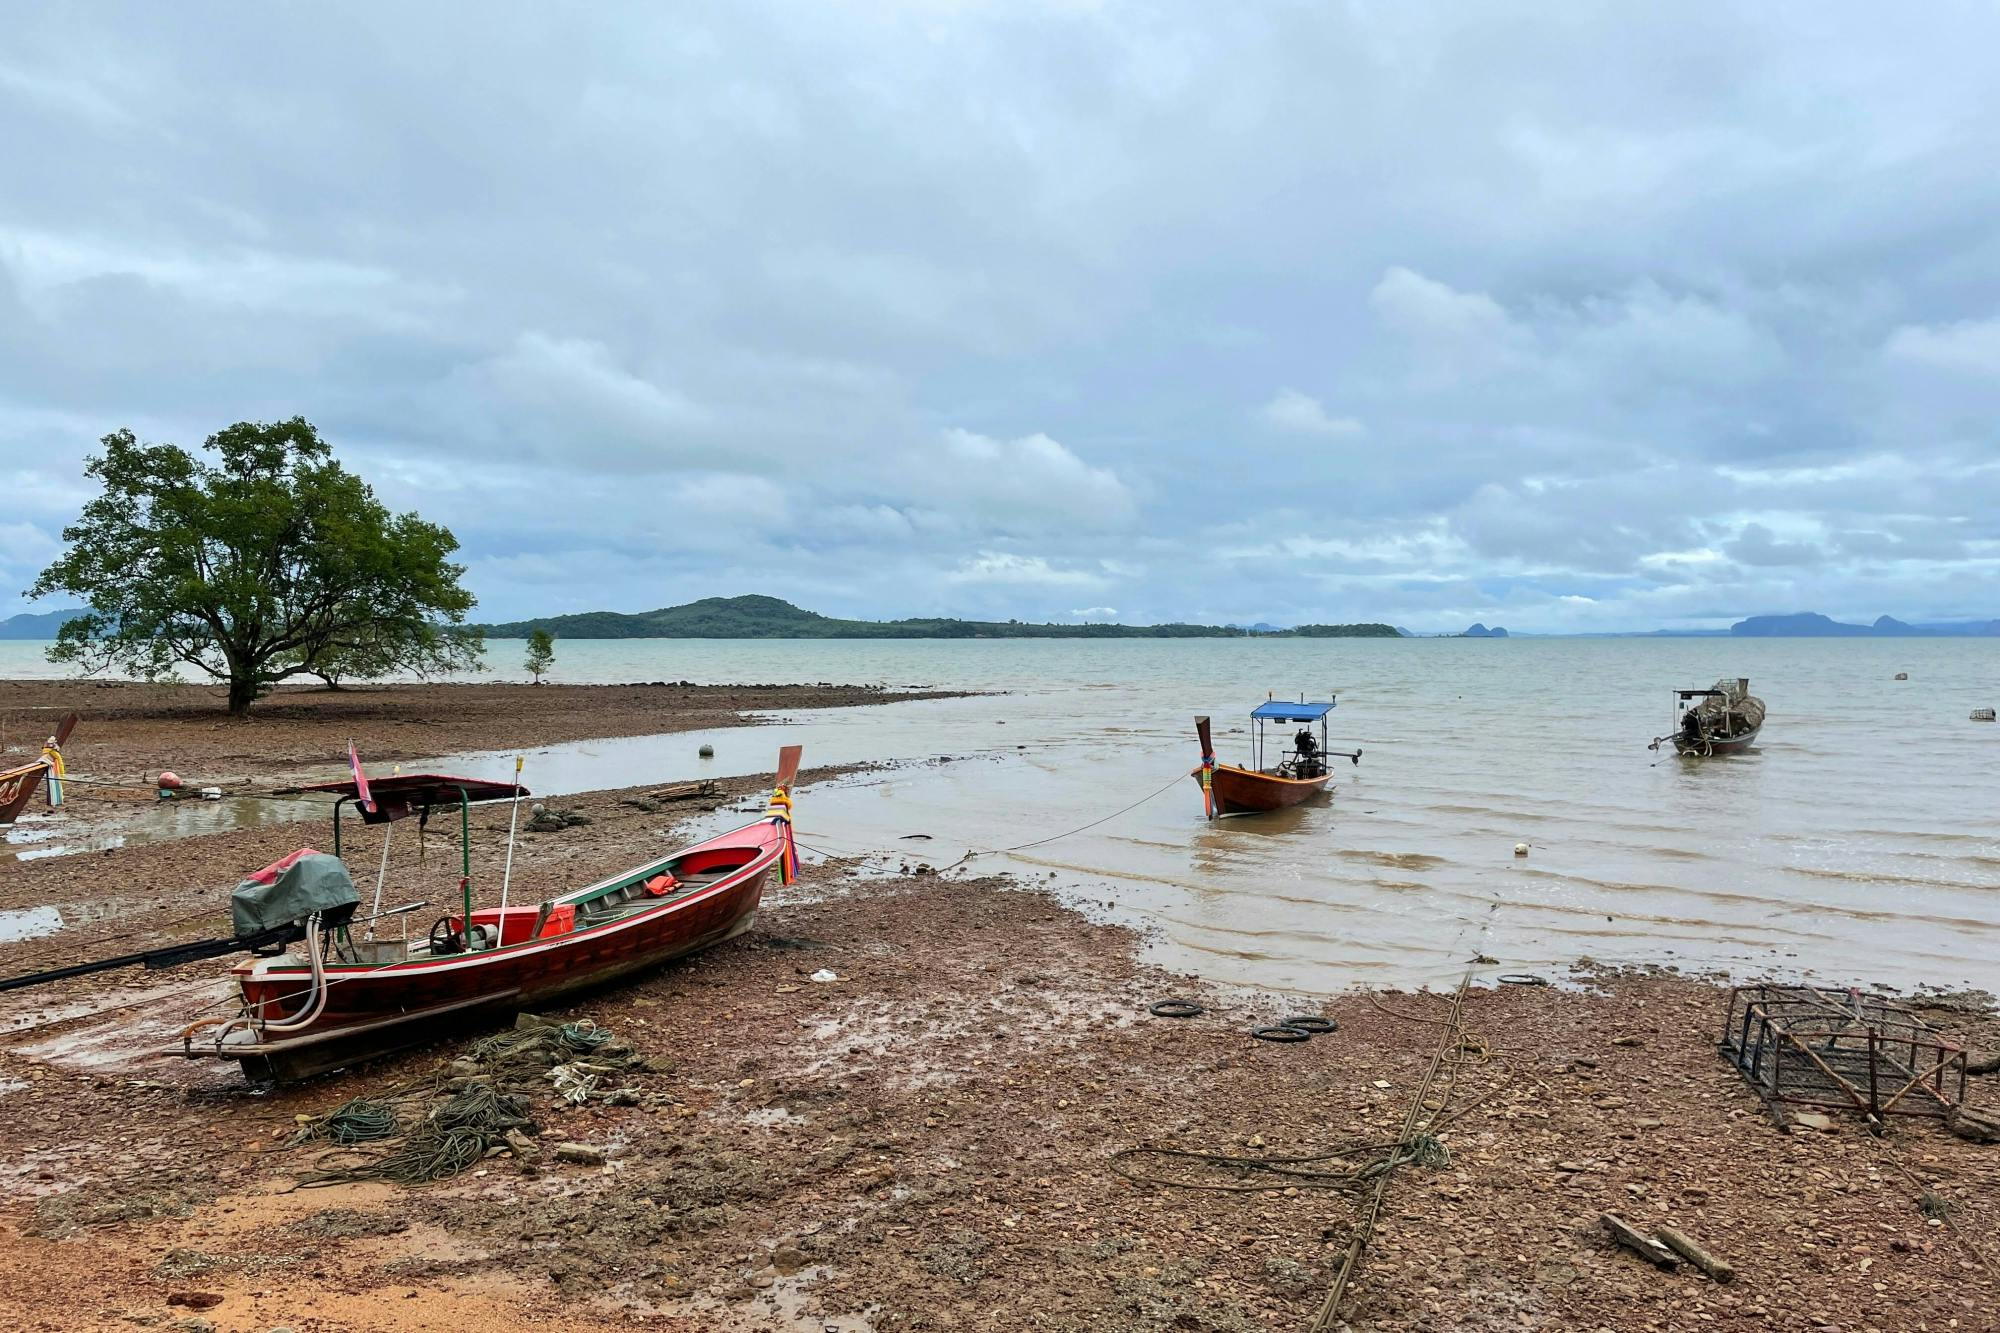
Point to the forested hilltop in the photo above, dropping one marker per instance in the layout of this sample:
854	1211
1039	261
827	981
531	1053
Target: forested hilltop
755	617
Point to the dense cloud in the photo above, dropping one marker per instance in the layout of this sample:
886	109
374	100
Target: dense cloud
1558	317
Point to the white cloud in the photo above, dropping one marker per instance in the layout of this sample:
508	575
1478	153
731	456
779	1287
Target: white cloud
1423	308
1030	484
1970	346
1290	410
1033	570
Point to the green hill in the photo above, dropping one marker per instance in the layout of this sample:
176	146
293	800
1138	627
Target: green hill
756	617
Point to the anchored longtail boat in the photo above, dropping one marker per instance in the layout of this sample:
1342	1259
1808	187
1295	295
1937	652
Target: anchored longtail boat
1299	773
1722	720
18	785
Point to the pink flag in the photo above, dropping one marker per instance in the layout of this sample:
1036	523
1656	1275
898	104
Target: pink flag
360	779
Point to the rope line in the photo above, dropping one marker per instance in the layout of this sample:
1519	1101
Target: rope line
1058	837
1453	1039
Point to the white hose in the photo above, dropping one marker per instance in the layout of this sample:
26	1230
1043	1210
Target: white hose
314	1006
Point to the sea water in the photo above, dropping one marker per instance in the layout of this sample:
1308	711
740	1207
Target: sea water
1859	841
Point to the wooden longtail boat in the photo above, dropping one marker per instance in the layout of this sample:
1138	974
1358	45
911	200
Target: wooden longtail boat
333	999
1721	720
1301	772
18	785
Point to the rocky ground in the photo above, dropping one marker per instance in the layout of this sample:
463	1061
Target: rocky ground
930	1140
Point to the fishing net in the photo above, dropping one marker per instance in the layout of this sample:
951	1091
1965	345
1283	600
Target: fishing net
462	1115
1732	710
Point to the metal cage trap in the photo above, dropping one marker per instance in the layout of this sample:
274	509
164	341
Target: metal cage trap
1802	1046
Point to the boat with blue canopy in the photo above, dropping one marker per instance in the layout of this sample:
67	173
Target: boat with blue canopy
1296	772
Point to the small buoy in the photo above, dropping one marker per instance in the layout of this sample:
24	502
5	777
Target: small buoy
1520	849
706	752
537	808
170	781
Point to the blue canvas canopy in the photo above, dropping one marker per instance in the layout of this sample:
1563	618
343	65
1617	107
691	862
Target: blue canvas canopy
1277	710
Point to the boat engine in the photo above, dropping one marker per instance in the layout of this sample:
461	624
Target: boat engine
283	896
1310	763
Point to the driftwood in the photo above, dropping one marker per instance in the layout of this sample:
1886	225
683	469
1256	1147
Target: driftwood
1719	1269
1640	1243
687	791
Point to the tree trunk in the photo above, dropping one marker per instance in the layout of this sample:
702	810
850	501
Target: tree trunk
242	693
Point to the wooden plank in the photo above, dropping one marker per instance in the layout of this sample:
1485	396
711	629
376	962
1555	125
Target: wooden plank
1683	1245
1640	1243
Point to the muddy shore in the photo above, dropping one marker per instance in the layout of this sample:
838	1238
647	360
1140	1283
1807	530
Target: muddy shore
929	1141
130	731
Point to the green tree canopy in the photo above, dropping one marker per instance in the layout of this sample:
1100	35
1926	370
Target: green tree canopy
541	652
259	566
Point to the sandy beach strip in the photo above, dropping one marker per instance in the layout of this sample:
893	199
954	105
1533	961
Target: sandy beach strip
929	1141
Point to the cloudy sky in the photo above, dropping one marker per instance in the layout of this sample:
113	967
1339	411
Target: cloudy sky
1555	316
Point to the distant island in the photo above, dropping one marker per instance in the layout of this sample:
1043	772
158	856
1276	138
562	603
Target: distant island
756	617
36	624
1813	625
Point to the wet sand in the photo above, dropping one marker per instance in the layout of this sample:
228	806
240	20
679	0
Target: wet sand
927	1142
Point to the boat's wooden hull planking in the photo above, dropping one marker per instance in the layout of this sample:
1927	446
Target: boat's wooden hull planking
1242	791
372	1010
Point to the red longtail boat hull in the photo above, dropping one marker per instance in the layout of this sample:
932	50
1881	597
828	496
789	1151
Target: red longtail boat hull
370	1010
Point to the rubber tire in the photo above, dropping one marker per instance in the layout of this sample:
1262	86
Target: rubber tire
1174	1009
1312	1023
1280	1034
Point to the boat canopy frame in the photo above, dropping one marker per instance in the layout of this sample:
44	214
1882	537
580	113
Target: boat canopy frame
1287	712
402	795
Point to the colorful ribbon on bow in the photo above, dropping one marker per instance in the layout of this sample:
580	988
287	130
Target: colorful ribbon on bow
780	810
52	756
1207	778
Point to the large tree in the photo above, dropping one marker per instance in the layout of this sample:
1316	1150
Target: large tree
258	566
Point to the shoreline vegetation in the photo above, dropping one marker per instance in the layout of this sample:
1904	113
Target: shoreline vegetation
907	1099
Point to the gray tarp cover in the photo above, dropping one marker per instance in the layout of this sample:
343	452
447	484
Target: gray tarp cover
314	883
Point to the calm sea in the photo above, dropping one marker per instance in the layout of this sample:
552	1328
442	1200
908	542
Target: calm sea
1861	841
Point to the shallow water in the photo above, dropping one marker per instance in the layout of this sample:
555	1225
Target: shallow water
1857	842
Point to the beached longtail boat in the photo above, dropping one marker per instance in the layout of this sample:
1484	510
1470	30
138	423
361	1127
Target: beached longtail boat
337	999
1299	772
1721	720
18	785
327	999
